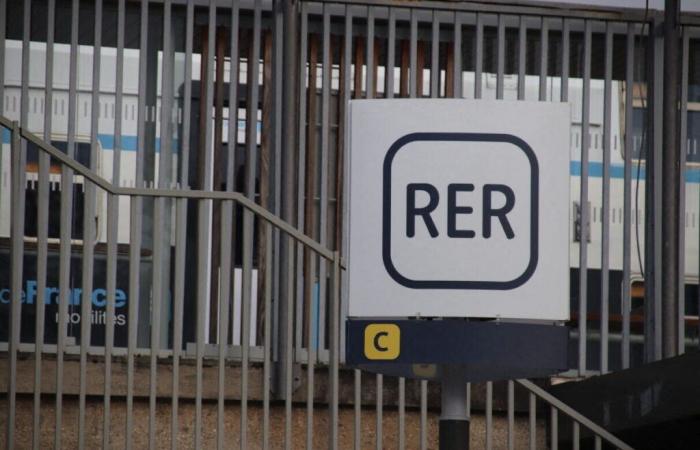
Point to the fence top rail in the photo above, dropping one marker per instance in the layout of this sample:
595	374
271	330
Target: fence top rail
532	8
192	194
572	413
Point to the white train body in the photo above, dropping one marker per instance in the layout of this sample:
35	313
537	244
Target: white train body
106	120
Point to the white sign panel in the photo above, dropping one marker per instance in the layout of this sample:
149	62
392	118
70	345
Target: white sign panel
459	208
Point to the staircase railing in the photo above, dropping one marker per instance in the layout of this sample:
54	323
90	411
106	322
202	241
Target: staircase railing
71	167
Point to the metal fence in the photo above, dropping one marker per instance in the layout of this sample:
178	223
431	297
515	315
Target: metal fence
173	164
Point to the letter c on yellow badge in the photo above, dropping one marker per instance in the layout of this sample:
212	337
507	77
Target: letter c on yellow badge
382	341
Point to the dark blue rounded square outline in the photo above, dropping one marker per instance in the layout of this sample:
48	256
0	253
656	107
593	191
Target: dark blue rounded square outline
457	284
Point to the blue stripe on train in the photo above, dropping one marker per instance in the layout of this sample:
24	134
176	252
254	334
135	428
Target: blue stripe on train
595	168
129	143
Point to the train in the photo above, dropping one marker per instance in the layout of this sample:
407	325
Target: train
106	119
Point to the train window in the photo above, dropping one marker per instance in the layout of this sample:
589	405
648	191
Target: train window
639	136
32	208
692	153
82	155
639	132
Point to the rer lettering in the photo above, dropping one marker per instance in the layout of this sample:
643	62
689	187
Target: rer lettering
489	213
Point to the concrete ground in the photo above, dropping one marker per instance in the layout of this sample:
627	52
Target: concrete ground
94	423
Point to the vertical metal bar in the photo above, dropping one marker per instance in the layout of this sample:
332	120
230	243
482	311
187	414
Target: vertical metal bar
413	70
565	52
489	415
267	332
379	410
357	432
605	214
653	238
576	436
325	158
310	259
179	287
598	443
308	268
371	82
423	414
554	426
66	224
479	55
136	223
18	180
42	224
301	210
289	338
348	64
457	56
89	224
301	167
469	400
544	58
402	413
225	255
225	263
583	252
683	130
334	362
164	161
26	28
533	422
3	14
324	161
157	295
289	120
522	54
627	200
280	195
670	180
204	227
500	55
435	57
162	212
165	175
511	413
390	55
280	167
252	155
159	226
18	173
202	274
112	227
181	226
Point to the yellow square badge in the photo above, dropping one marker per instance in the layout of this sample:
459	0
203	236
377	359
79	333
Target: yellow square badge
382	341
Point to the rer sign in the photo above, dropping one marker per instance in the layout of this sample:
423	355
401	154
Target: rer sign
459	208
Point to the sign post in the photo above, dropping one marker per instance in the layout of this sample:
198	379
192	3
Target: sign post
459	210
454	422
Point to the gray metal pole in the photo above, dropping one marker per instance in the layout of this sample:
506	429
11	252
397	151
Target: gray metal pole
289	127
653	146
670	181
454	422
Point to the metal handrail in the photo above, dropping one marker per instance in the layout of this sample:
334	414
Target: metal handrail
532	8
334	257
573	414
194	194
